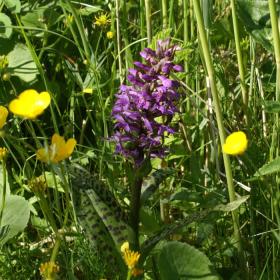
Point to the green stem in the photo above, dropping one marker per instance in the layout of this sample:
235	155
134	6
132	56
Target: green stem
44	205
274	150
55	248
4	190
128	275
69	202
134	210
81	29
186	28
119	38
142	22
164	14
148	20
276	44
218	112
239	57
191	19
252	59
56	196
128	54
171	14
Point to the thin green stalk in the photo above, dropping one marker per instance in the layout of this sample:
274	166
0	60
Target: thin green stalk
186	21
128	277
164	14
4	172
76	40
218	112
252	70
134	210
207	7
81	29
148	20
275	139
171	14
128	55
239	57
192	20
142	23
44	205
276	45
69	202
186	39
56	196
119	38
55	248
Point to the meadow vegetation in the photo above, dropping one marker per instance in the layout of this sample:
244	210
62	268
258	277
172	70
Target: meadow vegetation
139	139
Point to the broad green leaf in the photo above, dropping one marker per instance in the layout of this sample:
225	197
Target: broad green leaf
13	5
180	261
15	217
254	14
21	63
150	243
34	18
186	195
88	10
232	205
269	168
149	220
89	190
40	18
152	182
271	106
5	26
100	215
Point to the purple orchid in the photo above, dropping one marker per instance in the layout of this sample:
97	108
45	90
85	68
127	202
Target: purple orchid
152	94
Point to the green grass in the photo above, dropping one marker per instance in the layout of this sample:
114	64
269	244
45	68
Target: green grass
66	53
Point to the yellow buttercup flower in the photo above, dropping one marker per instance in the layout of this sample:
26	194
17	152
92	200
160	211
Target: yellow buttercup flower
48	270
88	90
3	116
125	246
30	104
58	150
235	144
3	153
130	257
68	20
102	20
110	34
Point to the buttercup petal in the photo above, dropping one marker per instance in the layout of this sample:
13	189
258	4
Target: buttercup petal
43	100
58	141
42	155
16	108
236	143
70	145
58	150
30	104
3	116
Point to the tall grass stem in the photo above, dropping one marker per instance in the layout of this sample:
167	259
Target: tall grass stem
239	58
148	20
218	112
